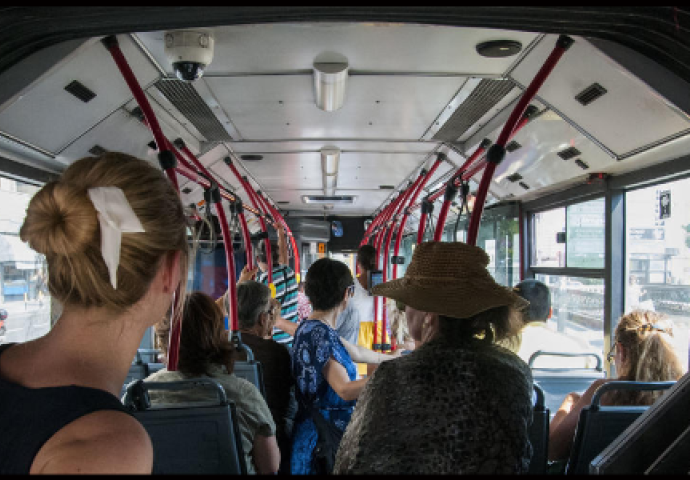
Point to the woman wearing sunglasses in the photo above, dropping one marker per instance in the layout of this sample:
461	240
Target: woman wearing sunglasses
326	377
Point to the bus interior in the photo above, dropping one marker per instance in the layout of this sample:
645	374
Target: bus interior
342	122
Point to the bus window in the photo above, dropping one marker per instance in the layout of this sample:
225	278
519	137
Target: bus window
549	246
24	298
658	254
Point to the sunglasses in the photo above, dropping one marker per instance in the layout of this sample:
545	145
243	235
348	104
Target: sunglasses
351	290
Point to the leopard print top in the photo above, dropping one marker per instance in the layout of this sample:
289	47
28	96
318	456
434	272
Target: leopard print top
445	408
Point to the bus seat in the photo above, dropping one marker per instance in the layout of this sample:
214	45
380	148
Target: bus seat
599	425
249	369
539	434
192	438
559	382
152	368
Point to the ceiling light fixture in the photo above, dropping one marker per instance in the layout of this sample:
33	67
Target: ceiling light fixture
329	84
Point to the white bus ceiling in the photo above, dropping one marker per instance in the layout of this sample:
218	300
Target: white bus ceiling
412	91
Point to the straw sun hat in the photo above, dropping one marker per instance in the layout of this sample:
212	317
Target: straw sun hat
449	278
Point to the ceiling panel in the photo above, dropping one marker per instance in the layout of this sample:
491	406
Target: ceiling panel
376	107
628	117
367	46
39	115
393	146
537	159
369	170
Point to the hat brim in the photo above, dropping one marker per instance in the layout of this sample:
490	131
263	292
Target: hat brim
457	301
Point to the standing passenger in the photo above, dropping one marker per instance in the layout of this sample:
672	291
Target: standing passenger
113	232
459	403
326	375
286	288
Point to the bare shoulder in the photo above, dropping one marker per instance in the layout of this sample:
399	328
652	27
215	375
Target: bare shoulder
103	442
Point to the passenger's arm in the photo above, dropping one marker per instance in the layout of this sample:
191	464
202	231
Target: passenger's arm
337	378
266	454
282	244
287	326
364	355
245	275
564	423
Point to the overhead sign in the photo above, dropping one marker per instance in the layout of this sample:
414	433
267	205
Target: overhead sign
322	248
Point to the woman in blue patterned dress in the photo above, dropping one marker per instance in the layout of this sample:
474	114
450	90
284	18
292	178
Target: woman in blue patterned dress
326	375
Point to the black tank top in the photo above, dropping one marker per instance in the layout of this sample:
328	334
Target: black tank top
29	417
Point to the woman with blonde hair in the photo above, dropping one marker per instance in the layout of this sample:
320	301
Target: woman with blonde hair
643	352
459	403
113	232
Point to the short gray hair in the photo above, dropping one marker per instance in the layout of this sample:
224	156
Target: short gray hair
252	300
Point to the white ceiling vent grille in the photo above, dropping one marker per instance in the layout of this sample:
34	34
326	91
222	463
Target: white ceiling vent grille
487	94
191	105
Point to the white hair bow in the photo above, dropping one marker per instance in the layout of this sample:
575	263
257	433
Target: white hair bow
116	217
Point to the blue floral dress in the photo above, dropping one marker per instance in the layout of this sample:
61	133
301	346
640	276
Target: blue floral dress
314	344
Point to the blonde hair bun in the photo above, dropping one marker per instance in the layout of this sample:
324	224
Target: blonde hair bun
60	220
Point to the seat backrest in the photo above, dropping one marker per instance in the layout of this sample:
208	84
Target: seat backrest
191	438
137	371
251	371
599	425
152	368
539	434
559	382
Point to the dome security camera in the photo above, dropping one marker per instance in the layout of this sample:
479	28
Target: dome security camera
190	52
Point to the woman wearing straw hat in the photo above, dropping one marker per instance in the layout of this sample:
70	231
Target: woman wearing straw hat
459	403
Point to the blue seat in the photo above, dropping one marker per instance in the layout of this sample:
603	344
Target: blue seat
559	382
248	369
599	425
191	438
539	434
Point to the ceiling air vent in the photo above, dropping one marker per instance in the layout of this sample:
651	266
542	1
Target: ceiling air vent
581	164
569	153
80	91
251	158
97	150
283	202
524	185
332	200
512	146
186	190
386	187
589	94
514	177
482	99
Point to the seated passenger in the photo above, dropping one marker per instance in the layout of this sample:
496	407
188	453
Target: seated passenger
256	312
205	351
324	371
537	334
399	329
113	232
459	403
643	353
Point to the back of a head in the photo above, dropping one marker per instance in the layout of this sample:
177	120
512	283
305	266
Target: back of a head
326	284
252	299
366	257
203	338
62	224
647	338
262	256
539	298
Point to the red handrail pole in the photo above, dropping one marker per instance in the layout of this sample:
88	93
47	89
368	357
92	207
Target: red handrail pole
248	188
497	151
295	252
422	227
230	261
165	157
247	240
374	223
